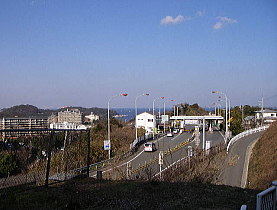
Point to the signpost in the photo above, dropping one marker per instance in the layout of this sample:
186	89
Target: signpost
107	146
197	136
161	161
164	118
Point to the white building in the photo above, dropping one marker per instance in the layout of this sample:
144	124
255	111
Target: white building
267	115
92	117
66	125
146	121
71	116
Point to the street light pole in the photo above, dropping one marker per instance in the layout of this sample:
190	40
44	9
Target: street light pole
154	110
226	113
164	112
154	104
136	112
109	127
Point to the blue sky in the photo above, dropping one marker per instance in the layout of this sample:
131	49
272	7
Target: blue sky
81	53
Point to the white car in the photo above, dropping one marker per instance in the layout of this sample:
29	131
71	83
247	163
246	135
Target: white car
169	134
149	147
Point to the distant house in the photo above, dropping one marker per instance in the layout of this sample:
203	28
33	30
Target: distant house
249	122
146	121
90	118
265	116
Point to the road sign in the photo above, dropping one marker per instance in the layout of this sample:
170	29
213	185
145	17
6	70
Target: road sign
107	144
197	138
161	157
190	154
164	118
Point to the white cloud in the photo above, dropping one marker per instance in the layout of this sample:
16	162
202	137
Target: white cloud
223	21
218	25
200	13
170	20
180	18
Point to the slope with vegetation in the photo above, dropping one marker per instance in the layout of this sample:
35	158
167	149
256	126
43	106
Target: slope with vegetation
263	162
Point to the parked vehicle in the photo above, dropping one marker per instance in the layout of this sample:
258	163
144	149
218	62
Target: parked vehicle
149	147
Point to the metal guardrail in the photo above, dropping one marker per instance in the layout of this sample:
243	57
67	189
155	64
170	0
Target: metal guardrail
266	200
246	133
140	139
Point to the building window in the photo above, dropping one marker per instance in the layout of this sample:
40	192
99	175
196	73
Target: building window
150	120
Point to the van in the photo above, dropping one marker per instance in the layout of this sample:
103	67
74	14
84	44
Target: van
149	147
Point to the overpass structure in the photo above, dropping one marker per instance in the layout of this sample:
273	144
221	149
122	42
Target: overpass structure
205	117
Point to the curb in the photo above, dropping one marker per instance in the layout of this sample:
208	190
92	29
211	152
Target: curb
246	163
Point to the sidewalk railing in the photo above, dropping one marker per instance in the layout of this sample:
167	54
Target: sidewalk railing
246	133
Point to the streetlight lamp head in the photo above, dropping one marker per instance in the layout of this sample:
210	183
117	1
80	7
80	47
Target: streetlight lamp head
147	94
124	94
213	91
162	97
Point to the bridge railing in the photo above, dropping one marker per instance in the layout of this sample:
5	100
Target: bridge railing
246	133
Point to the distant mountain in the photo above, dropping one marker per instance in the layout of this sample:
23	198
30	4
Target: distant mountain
24	111
32	111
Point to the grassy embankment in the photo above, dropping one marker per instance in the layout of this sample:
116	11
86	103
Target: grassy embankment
263	162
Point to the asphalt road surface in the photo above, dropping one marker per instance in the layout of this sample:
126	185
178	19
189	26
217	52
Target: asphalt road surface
165	143
236	165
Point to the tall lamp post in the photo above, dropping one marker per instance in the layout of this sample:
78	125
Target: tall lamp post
136	111
226	113
109	127
164	112
229	111
217	108
154	111
154	104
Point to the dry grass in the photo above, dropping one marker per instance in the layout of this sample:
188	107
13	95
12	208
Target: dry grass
263	162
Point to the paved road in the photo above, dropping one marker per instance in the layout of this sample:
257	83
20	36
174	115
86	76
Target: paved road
236	165
164	144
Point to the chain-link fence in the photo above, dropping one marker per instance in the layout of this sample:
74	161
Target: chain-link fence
42	156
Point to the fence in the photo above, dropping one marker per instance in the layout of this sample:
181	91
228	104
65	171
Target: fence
43	156
245	133
267	199
137	142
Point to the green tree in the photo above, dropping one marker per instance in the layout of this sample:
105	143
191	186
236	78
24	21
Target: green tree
236	121
9	164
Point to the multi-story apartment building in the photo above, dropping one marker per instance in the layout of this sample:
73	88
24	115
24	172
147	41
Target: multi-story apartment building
70	116
22	125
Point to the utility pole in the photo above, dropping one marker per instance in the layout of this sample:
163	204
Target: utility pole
242	115
262	111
